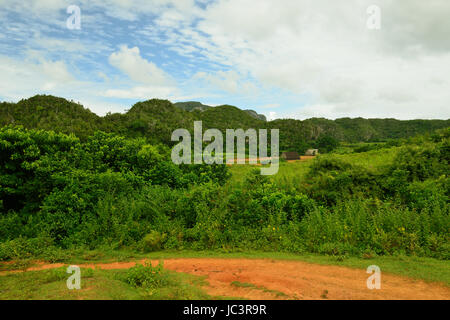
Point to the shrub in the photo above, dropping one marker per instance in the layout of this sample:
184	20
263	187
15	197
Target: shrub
146	276
331	180
153	241
22	248
420	163
326	143
372	225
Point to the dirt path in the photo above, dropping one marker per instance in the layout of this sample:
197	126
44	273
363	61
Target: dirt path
280	279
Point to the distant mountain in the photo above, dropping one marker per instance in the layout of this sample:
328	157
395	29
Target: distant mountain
156	119
198	106
192	106
256	115
227	117
50	113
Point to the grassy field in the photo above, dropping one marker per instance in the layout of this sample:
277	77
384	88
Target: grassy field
97	285
286	171
292	174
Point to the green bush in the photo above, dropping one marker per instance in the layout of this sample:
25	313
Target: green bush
146	276
361	225
23	248
153	241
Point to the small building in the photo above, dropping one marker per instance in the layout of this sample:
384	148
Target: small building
290	156
312	152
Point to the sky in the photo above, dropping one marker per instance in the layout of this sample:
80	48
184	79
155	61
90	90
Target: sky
282	58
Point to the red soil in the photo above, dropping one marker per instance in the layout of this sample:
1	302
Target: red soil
280	279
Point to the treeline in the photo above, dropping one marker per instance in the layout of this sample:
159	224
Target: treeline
155	120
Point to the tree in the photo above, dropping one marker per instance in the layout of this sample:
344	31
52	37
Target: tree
326	143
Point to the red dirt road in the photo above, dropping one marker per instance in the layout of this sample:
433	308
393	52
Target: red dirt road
281	279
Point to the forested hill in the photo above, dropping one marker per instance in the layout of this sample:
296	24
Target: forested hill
156	119
51	113
198	106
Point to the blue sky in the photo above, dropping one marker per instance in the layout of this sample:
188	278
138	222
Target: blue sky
296	59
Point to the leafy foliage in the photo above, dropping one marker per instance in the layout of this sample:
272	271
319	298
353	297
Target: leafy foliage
55	182
146	276
118	187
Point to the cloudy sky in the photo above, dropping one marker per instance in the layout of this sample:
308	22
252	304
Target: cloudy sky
283	58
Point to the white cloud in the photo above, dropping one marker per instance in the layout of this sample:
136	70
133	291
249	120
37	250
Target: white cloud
25	78
130	62
141	93
228	81
268	106
56	71
152	81
120	9
324	50
315	48
19	78
271	116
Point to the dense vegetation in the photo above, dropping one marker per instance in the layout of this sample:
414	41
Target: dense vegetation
197	106
72	179
155	120
60	191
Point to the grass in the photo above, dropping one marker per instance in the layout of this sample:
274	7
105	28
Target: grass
292	174
277	293
16	265
287	170
96	285
372	160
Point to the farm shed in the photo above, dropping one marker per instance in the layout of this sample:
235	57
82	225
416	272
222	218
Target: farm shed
290	156
312	152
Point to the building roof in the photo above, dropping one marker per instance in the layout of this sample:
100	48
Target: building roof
312	152
292	155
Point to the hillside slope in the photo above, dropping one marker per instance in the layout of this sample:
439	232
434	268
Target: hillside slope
156	119
198	106
50	113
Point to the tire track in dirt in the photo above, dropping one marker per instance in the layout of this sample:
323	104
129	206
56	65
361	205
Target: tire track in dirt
281	279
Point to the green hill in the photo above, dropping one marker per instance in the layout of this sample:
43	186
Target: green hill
227	117
51	113
191	106
198	106
156	119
